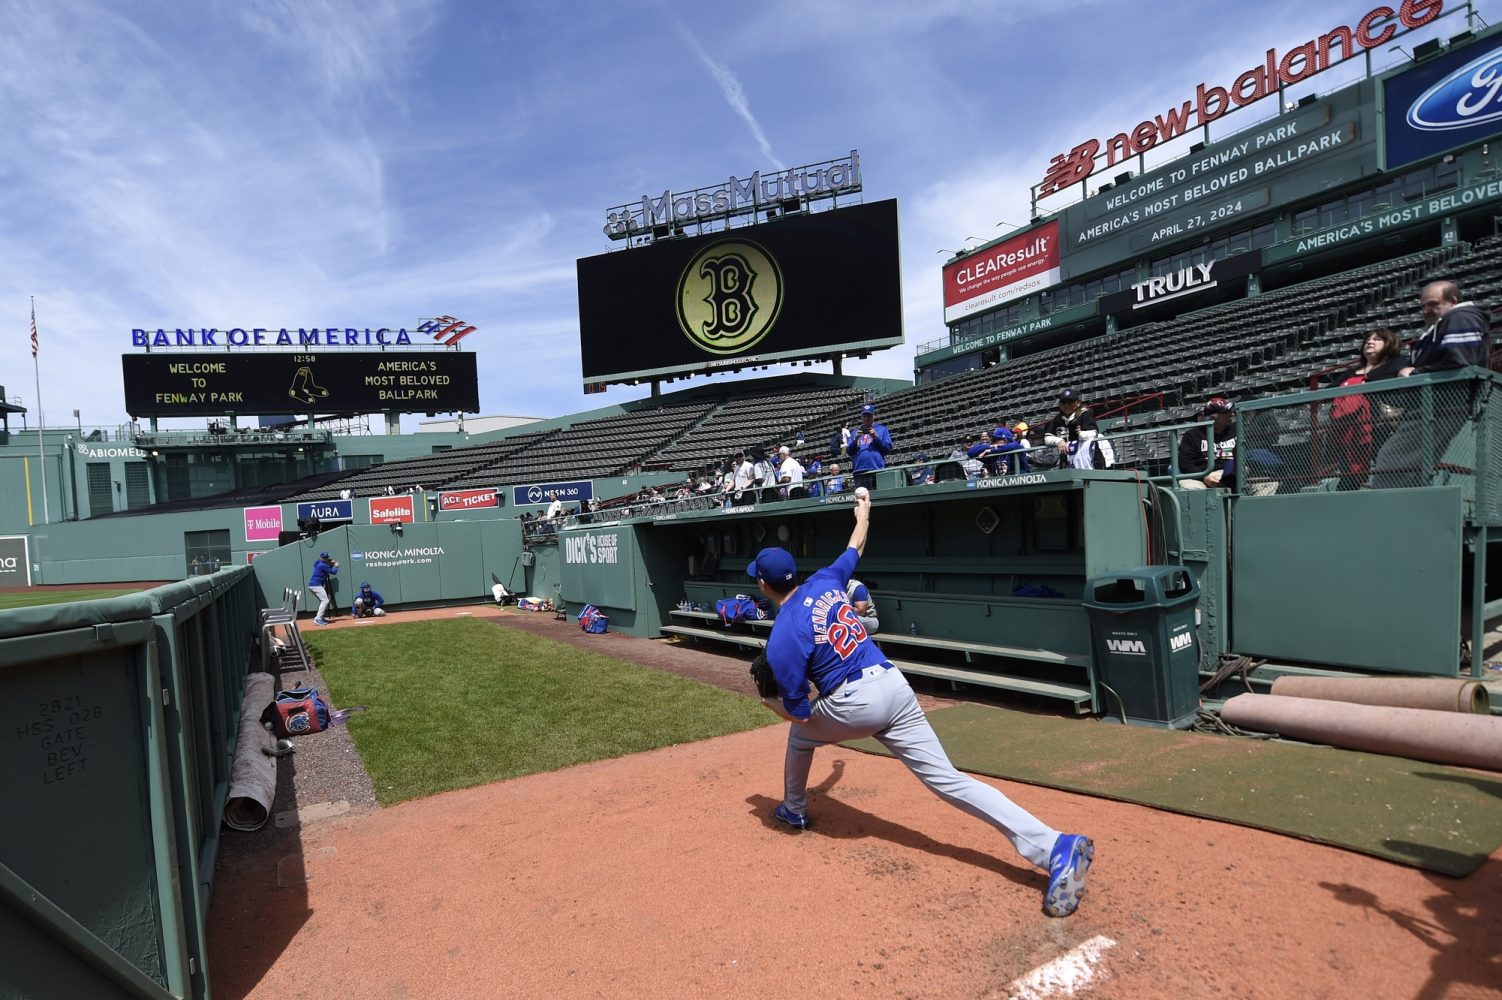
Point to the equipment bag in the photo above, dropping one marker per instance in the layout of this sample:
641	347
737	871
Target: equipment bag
297	712
592	619
740	608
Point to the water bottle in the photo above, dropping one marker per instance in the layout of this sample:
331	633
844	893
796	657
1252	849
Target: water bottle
912	628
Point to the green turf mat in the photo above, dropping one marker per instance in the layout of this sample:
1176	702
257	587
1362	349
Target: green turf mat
1430	816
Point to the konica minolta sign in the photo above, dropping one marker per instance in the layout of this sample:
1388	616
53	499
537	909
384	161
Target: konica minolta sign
1448	102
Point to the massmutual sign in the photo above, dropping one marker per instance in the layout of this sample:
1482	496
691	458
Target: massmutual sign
737	196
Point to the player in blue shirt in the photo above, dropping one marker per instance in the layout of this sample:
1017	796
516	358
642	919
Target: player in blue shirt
368	603
819	638
318	580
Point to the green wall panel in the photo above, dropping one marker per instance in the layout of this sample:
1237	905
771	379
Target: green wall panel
1345	578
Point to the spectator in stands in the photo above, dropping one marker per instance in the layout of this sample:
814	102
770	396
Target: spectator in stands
984	451
345	493
1004	447
790	474
1351	423
811	478
1459	335
863	606
1072	423
1023	459
1208	454
835	484
923	473
745	477
1458	331
868	448
368	603
764	477
324	568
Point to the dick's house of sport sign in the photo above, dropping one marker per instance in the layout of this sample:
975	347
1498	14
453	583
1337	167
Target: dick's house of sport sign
1011	269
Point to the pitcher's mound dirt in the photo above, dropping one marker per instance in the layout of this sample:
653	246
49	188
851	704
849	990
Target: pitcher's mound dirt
662	874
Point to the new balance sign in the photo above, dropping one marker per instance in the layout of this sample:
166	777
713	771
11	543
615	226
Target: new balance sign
1134	646
1181	641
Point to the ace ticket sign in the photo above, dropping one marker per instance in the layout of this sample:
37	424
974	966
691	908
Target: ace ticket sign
469	499
392	510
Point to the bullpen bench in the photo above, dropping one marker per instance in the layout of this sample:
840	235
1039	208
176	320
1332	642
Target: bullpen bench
1034	646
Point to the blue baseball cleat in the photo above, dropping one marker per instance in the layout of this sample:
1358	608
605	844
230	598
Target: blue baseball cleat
320	621
798	821
1068	864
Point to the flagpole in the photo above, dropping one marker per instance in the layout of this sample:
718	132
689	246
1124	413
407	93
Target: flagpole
41	441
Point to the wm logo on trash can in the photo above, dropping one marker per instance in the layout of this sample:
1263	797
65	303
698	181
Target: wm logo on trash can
1134	646
1181	641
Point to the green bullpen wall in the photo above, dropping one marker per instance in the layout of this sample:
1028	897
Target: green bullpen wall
944	557
153	546
425	564
119	720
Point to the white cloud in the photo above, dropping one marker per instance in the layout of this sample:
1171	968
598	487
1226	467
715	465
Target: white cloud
735	95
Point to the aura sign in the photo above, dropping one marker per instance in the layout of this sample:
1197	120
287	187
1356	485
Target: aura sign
1376	28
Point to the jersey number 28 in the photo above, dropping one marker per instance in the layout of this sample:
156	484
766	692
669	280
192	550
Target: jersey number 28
846	631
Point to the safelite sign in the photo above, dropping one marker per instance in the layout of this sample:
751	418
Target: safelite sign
391	510
469	499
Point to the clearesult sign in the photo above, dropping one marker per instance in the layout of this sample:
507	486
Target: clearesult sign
15	561
392	510
1015	267
545	493
327	511
469	499
263	524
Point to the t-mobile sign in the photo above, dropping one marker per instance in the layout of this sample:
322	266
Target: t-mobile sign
15	564
263	524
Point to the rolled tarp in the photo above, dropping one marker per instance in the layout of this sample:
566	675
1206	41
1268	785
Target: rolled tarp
1438	694
1416	733
252	778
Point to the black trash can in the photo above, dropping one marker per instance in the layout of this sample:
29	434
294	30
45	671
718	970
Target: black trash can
1144	644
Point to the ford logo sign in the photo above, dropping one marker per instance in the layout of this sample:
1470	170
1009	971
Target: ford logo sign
1469	96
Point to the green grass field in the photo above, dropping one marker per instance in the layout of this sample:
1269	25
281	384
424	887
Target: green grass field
454	704
34	598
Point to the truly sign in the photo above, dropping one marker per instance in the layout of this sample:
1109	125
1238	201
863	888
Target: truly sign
1375	29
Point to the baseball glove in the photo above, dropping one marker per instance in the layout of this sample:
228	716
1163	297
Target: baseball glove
761	673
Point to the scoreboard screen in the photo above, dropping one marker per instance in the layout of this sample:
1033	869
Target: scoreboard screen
196	385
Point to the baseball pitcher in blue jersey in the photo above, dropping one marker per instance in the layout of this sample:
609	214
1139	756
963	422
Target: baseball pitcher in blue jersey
818	638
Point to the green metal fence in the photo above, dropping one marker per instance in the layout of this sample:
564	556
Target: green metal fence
1425	430
120	719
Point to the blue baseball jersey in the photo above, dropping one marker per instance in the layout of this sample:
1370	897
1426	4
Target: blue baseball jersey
818	637
371	597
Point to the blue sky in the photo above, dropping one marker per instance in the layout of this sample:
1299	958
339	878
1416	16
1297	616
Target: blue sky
368	162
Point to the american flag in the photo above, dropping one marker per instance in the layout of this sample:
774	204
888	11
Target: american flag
33	329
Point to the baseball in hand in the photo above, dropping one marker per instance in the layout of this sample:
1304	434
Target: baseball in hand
861	493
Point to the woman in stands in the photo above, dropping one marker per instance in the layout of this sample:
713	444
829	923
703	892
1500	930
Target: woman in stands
1351	424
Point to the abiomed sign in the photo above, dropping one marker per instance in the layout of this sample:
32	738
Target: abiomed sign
736	196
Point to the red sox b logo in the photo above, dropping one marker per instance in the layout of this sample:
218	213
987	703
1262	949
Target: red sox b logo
729	296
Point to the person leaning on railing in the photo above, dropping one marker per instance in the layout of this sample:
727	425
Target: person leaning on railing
1352	426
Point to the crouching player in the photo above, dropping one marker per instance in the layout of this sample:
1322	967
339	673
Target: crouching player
368	603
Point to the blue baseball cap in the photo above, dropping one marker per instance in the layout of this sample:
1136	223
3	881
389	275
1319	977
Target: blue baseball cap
323	555
868	408
773	564
364	586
